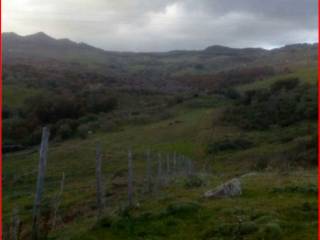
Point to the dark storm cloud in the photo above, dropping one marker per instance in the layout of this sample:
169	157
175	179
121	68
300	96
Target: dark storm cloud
159	25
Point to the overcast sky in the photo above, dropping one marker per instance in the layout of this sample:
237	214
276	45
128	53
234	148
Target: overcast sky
160	25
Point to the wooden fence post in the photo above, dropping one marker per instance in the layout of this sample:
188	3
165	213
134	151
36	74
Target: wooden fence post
99	184
130	180
40	182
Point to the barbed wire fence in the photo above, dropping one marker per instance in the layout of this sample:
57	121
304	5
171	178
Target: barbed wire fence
160	171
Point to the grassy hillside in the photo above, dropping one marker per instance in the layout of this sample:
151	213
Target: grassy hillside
279	199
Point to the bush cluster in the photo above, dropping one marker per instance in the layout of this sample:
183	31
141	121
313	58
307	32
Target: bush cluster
286	102
66	114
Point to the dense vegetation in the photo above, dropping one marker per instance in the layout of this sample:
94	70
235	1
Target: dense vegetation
284	103
63	112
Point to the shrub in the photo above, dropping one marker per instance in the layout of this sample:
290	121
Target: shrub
285	84
83	131
229	145
174	100
193	182
34	138
182	208
270	231
105	222
14	129
262	163
303	151
247	228
231	93
64	131
179	99
100	102
108	126
52	108
88	118
226	229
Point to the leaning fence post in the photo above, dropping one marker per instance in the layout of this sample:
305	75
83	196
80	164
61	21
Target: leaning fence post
99	185
130	190
40	182
58	201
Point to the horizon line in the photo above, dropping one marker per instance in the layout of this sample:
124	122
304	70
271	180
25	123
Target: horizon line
167	51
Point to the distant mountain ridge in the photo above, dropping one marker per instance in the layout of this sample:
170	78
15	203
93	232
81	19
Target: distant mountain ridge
40	47
43	38
38	40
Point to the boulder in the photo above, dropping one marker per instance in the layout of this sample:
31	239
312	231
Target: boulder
231	188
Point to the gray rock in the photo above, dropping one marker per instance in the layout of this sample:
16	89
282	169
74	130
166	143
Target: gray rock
231	188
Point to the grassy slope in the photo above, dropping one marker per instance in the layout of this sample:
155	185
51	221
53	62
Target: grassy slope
187	133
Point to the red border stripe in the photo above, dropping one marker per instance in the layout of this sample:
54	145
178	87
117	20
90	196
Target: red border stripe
318	122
